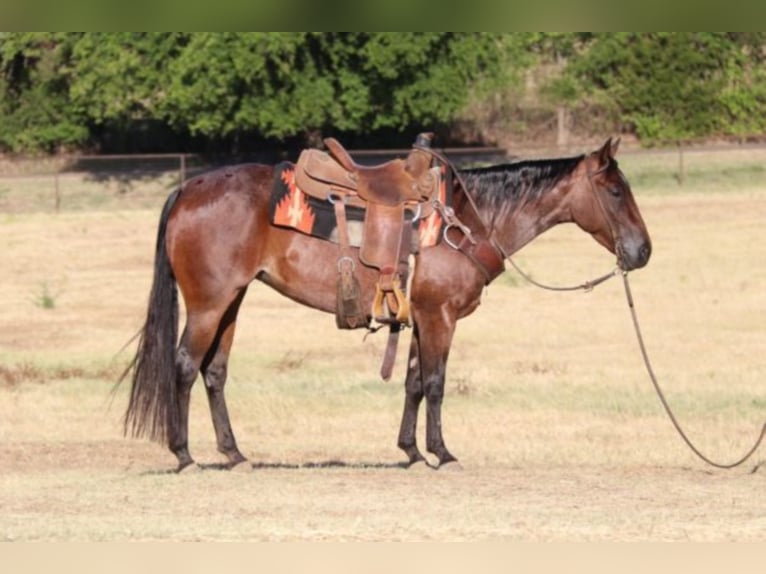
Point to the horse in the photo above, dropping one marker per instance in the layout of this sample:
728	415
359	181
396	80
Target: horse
215	237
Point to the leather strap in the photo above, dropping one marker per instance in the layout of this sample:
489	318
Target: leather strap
340	219
348	313
483	253
403	316
389	357
487	257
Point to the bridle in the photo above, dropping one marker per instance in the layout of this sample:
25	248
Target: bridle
587	285
488	232
615	236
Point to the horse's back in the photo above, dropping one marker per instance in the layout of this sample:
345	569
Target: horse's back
246	181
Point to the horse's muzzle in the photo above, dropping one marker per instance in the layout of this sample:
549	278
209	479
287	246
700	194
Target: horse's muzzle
634	255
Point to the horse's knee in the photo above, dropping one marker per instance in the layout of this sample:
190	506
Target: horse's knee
413	383
215	375
414	391
434	391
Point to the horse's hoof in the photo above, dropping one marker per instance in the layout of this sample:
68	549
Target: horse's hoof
419	466
244	466
191	468
451	466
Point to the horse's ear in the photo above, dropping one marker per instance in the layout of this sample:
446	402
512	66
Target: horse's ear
607	151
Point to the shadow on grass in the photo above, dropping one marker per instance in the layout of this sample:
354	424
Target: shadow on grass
222	466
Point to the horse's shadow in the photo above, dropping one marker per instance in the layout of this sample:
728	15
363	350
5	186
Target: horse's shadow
278	465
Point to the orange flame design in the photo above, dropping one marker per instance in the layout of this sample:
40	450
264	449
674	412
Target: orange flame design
294	210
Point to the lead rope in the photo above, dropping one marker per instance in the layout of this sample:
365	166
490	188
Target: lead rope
587	286
665	404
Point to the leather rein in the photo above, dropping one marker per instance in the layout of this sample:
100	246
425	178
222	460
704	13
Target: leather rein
648	365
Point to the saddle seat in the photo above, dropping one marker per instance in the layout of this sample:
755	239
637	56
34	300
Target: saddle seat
389	183
392	183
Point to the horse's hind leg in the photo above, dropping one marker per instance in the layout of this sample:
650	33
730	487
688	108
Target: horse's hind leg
199	343
214	371
196	339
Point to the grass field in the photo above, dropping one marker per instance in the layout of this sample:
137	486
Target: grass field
548	407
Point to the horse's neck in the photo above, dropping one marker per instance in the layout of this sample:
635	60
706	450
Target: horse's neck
526	218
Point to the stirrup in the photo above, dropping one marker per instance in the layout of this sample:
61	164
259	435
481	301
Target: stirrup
382	312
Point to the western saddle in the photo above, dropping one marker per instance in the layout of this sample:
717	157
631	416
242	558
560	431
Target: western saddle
391	194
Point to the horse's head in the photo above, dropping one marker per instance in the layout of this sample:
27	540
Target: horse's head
602	204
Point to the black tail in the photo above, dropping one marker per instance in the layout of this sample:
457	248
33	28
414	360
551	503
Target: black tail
153	407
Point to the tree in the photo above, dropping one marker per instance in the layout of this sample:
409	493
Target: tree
77	89
120	77
34	108
291	83
671	86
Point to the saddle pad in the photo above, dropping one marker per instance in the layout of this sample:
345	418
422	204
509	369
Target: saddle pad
291	208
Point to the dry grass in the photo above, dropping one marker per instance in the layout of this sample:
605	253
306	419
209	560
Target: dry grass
547	405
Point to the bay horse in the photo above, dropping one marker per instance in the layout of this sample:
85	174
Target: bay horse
215	238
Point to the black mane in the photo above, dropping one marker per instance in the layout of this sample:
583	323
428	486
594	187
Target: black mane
501	186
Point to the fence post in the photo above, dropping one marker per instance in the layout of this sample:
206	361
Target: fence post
681	174
182	168
57	191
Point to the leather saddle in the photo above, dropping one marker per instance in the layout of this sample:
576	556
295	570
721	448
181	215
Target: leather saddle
329	175
390	193
391	183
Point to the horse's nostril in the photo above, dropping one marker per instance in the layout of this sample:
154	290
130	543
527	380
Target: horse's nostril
645	251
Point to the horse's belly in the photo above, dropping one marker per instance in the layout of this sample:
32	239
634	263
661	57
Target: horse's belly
305	269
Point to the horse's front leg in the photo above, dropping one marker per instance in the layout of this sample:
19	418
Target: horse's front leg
413	387
435	339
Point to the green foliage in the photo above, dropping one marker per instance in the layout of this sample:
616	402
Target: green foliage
56	88
283	84
423	78
34	110
63	89
120	77
675	86
45	299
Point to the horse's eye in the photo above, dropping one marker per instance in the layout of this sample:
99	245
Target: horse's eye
615	190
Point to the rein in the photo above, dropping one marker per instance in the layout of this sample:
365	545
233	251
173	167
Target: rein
663	400
456	173
588	286
650	371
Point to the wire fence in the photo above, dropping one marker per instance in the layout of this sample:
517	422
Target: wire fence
113	182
